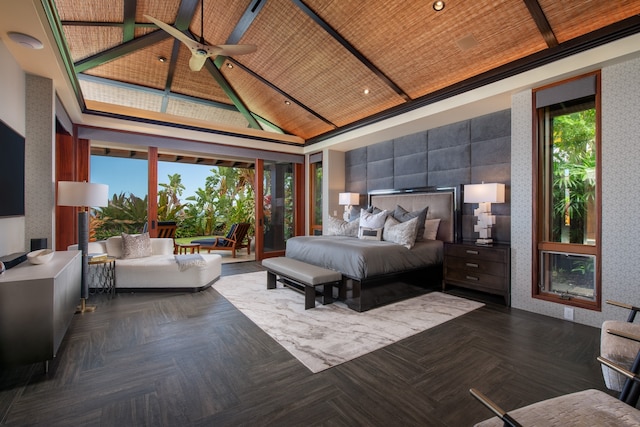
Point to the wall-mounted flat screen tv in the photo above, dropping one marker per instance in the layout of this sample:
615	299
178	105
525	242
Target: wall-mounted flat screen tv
11	172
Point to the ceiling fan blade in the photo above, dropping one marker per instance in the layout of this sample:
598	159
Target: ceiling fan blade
197	61
189	42
236	49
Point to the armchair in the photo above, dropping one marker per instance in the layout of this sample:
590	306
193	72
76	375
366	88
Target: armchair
620	342
587	407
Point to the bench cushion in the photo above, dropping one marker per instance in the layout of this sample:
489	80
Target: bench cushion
301	271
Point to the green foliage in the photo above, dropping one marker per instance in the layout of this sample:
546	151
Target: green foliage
227	198
123	214
574	164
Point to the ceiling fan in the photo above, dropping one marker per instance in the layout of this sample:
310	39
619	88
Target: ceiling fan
200	51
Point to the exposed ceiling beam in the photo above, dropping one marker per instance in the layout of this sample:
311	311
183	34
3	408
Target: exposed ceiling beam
213	67
355	52
541	21
245	21
120	50
281	92
173	63
233	96
128	32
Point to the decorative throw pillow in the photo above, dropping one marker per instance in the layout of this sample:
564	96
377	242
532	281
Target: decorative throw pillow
136	246
431	228
371	224
402	215
402	233
114	246
367	233
338	227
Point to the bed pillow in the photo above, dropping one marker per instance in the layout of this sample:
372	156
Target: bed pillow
402	215
136	246
338	227
367	233
431	228
402	233
371	224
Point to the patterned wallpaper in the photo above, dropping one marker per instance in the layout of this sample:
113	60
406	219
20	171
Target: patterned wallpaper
620	201
39	159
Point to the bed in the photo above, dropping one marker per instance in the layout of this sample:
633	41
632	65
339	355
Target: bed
380	272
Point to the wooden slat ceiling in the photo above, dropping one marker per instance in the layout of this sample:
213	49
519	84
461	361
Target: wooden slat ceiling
315	58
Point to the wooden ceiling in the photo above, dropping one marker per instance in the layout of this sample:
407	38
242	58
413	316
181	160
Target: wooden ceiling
322	66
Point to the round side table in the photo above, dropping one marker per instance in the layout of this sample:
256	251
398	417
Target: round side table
102	273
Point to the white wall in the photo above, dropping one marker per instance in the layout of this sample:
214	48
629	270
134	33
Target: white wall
620	201
12	112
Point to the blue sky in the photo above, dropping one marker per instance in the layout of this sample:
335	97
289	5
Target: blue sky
130	175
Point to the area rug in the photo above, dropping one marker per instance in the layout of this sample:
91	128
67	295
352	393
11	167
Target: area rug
331	334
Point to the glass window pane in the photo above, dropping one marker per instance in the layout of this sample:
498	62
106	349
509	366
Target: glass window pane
278	205
571	275
569	170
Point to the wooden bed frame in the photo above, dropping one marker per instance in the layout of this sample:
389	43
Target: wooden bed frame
365	294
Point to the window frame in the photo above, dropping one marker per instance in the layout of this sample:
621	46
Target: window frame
315	162
540	229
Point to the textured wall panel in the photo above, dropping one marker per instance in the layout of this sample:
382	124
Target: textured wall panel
466	152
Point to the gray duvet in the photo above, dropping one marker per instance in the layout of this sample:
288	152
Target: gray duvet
360	259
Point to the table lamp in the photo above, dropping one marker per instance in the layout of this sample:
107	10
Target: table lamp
484	195
84	195
348	200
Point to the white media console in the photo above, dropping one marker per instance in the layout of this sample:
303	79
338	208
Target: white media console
37	304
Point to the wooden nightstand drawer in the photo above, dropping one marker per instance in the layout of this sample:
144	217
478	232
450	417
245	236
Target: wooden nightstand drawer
482	268
471	252
476	279
474	266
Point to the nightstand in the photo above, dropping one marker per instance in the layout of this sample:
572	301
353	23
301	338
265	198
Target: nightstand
482	268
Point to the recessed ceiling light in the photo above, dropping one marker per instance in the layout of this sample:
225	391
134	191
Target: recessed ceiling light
162	59
25	40
287	102
438	6
366	91
229	65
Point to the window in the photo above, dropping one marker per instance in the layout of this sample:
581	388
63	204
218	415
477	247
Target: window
315	191
567	201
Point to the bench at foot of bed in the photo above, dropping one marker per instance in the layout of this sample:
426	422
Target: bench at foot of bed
305	276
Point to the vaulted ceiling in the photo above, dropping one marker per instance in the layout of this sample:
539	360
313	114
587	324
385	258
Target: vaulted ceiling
321	66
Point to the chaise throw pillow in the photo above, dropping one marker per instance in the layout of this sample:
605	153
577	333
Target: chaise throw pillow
136	245
338	227
402	233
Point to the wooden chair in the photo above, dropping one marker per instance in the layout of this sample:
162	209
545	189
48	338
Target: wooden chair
583	408
236	238
167	229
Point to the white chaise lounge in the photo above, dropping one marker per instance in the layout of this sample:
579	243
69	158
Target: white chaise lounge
158	271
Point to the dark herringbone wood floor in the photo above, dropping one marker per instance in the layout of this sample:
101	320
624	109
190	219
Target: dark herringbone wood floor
194	360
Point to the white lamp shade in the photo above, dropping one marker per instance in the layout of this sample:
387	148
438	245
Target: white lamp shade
482	193
85	194
349	199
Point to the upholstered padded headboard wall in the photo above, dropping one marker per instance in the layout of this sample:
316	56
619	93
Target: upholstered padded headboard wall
442	204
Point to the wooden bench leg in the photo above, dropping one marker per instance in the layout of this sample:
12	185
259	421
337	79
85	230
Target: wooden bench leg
309	297
327	294
271	280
